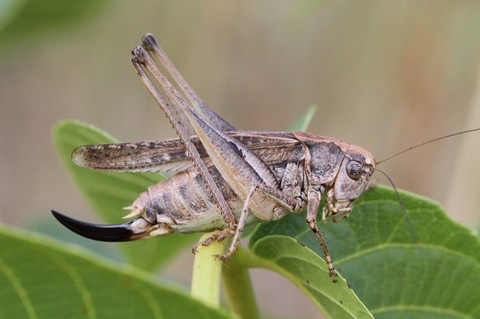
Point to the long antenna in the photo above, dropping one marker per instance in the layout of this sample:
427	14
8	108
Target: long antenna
428	142
402	206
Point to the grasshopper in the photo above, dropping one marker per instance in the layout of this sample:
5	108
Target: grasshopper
224	178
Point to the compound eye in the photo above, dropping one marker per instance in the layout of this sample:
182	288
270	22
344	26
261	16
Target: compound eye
354	170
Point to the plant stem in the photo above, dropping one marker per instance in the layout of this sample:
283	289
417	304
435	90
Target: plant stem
238	286
207	272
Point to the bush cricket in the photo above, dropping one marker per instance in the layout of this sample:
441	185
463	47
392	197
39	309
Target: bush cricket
224	178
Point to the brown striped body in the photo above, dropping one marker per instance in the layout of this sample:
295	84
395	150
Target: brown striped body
183	204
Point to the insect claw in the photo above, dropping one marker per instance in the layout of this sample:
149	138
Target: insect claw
195	249
334	277
224	257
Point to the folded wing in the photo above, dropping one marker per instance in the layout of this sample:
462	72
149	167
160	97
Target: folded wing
170	155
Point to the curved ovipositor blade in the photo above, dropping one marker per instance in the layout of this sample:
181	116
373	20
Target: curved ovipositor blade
110	233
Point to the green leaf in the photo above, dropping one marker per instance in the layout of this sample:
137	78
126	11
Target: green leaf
8	10
30	18
304	121
108	192
435	274
306	270
43	279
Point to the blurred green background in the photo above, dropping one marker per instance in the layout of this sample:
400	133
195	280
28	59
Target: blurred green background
384	75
